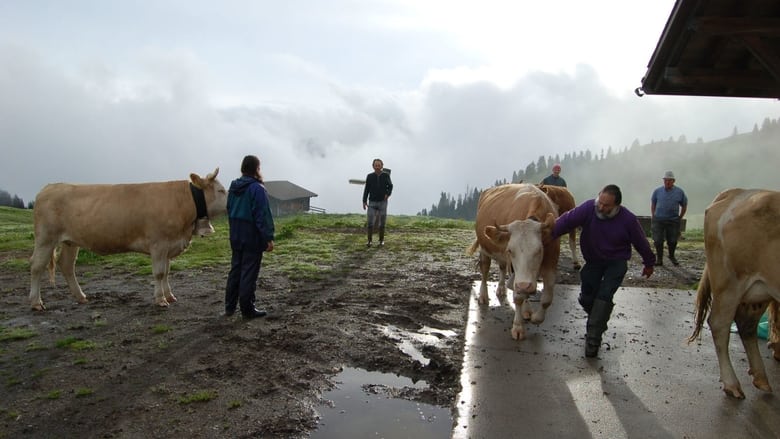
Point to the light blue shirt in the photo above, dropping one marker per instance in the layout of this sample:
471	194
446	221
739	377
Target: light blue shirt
668	203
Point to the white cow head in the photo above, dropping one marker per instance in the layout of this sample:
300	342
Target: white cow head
524	242
213	191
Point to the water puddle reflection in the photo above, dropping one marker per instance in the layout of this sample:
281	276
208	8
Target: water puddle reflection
363	405
408	341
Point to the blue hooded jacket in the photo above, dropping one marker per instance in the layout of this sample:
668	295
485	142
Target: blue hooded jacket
249	214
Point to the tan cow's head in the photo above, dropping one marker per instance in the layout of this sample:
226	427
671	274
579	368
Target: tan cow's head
524	241
213	191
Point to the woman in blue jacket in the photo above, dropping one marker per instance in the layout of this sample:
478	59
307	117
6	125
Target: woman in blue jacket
251	234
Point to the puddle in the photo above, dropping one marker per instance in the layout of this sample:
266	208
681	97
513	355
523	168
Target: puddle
408	341
363	407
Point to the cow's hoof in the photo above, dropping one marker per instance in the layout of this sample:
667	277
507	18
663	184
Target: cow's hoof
518	333
170	299
775	347
762	384
163	303
39	307
734	391
82	300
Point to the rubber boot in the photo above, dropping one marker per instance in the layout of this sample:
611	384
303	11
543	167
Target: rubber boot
597	324
370	237
659	254
586	304
672	248
381	237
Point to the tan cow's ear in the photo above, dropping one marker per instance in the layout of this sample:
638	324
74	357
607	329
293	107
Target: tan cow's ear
213	175
547	227
498	234
197	181
549	221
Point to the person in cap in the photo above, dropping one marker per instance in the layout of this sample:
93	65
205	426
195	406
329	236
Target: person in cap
555	178
668	205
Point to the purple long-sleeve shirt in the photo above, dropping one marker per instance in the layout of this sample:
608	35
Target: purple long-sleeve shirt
605	239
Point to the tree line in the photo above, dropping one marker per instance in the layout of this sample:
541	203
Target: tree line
7	200
702	169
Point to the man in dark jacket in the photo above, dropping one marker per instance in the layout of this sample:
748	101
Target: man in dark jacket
377	191
251	234
608	232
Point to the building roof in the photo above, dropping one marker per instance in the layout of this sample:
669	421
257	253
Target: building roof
284	190
727	48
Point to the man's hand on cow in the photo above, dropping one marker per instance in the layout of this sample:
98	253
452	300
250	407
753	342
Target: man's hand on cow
647	271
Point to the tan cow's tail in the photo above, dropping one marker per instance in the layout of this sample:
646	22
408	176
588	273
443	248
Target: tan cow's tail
703	303
474	247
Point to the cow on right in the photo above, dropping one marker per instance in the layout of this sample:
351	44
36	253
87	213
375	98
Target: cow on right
740	278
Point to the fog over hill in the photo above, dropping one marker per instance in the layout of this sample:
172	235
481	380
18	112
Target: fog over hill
702	169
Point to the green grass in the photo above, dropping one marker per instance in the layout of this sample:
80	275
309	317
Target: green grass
84	391
202	396
7	334
161	329
76	344
308	246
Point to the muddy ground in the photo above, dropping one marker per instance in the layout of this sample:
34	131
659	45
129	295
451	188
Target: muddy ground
120	367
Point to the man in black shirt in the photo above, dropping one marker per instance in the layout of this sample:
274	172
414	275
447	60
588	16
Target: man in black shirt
375	195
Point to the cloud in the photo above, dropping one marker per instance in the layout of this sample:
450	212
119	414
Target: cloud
158	117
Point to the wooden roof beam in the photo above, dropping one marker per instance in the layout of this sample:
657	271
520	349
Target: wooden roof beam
736	26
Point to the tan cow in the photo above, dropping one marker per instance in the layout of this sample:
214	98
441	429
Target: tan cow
565	202
157	219
740	278
513	226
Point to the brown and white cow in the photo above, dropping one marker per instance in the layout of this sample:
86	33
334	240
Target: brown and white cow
157	219
740	278
565	202
513	226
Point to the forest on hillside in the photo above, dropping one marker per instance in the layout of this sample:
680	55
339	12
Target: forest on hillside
702	170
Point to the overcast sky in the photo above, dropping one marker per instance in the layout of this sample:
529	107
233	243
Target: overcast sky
450	94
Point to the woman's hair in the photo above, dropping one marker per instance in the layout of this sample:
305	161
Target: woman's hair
249	166
614	190
377	160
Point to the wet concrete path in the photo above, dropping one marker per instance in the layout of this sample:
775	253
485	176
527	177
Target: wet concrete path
649	382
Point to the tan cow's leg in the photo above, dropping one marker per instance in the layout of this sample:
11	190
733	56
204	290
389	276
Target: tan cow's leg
720	325
40	260
573	248
159	268
167	292
484	270
747	318
501	290
774	329
548	279
67	264
518	330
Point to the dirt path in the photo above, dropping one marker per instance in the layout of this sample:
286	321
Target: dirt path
136	370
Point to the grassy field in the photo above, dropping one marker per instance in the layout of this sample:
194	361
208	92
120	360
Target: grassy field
307	245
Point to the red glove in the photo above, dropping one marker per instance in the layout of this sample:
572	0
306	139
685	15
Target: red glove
647	271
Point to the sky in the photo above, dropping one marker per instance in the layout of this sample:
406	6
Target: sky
450	94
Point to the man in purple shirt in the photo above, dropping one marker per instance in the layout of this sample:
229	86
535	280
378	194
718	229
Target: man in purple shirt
608	232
